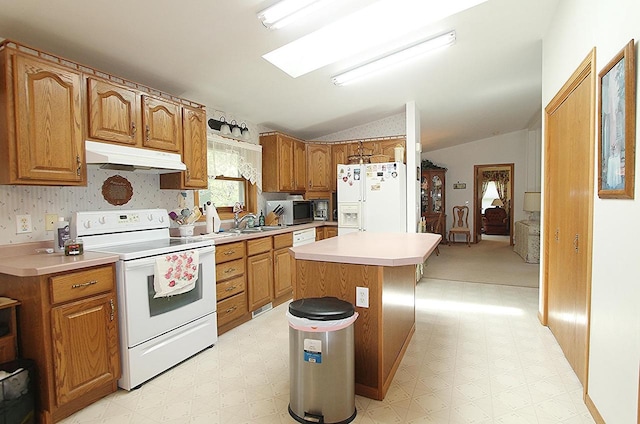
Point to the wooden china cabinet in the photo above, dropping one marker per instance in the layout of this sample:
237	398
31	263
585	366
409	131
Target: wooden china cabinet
433	195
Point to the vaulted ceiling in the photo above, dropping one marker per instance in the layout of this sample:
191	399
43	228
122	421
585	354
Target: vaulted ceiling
210	51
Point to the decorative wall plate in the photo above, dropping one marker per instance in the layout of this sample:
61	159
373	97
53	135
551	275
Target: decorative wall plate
117	190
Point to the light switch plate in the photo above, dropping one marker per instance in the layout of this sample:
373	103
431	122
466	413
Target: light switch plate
362	297
23	224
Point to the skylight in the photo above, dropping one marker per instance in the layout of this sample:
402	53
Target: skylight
361	31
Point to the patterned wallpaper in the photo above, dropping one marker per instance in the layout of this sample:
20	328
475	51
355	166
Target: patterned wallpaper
386	127
63	201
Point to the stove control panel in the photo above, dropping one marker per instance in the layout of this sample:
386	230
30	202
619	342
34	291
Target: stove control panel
118	221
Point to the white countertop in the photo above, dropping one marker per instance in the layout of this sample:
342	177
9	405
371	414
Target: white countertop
366	248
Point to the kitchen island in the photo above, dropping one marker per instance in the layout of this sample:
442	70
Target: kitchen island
385	264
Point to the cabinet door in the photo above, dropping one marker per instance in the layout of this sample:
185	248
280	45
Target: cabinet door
387	147
330	232
300	165
319	167
85	339
285	164
49	139
259	280
162	124
194	152
282	272
339	155
114	113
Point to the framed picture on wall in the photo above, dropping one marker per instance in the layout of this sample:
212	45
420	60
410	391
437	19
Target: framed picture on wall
616	123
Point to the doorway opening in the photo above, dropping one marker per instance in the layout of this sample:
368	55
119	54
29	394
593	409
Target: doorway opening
492	203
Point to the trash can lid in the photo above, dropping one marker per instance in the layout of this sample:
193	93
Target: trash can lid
321	308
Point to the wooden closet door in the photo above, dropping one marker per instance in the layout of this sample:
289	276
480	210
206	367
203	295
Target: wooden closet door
568	214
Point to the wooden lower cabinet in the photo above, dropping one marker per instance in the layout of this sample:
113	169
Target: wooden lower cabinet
260	280
282	288
330	232
69	327
231	287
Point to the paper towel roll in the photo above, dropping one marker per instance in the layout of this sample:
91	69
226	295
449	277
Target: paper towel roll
208	212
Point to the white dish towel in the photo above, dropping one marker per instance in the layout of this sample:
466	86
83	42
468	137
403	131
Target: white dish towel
176	273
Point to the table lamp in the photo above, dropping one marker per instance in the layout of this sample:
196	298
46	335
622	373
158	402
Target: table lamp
532	204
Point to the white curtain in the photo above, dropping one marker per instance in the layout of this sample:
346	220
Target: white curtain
232	158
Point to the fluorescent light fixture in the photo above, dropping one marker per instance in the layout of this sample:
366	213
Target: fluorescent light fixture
287	11
364	31
395	58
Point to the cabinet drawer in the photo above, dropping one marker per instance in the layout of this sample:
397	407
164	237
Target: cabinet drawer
227	270
260	245
232	308
282	240
229	252
75	285
230	287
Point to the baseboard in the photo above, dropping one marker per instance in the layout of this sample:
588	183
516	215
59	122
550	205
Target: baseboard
593	410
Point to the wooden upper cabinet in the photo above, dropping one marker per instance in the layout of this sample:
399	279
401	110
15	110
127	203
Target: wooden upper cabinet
115	113
339	155
48	148
194	147
283	164
162	124
194	153
300	166
319	169
386	147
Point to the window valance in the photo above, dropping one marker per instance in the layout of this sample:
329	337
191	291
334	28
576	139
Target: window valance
232	158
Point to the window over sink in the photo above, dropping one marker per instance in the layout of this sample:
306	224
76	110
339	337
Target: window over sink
235	175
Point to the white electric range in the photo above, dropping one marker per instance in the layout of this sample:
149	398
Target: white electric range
155	333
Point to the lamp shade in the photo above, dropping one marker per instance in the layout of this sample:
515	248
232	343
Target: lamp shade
531	201
497	202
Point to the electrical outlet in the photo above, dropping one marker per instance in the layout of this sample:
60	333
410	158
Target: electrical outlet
23	224
50	220
362	297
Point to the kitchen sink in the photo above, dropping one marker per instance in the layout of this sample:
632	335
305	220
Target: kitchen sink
252	230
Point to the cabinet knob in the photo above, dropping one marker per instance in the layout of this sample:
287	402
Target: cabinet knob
133	129
79	163
148	131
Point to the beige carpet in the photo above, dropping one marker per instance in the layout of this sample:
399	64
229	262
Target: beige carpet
490	261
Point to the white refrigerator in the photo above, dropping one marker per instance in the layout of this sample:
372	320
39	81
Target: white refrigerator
372	197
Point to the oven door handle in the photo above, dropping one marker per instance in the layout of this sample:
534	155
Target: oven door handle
143	262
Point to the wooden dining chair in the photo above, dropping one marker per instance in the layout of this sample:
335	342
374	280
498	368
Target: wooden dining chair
460	224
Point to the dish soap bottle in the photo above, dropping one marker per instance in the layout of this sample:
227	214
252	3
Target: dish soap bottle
261	220
61	233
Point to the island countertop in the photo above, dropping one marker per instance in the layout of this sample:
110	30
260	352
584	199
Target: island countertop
367	248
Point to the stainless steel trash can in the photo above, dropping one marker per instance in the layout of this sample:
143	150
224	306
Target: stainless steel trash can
321	359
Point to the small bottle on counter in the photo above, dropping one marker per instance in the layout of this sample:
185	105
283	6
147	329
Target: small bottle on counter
73	247
261	220
61	233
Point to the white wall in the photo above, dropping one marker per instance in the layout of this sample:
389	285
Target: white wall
413	163
460	160
614	349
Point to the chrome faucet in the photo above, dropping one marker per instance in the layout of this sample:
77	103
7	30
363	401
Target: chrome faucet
237	221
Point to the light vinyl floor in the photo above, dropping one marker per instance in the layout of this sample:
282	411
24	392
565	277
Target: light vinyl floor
479	355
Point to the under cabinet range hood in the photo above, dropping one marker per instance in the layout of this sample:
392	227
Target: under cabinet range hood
126	158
